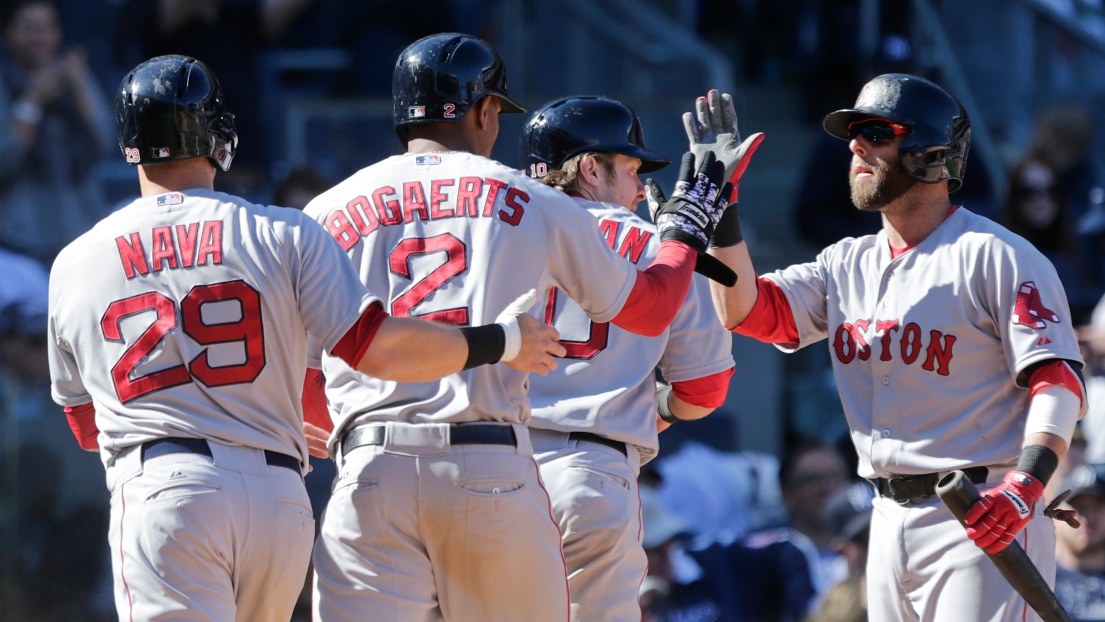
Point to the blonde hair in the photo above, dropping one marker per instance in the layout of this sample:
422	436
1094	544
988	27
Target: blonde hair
566	178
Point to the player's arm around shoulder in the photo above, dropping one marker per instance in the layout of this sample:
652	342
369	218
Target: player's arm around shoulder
414	350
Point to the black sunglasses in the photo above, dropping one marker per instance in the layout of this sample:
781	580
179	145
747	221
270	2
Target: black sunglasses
876	130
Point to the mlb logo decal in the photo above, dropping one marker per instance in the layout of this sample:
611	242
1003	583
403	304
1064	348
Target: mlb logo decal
428	159
1029	309
173	198
416	112
160	152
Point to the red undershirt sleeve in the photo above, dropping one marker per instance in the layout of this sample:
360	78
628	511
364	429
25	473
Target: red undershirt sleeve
707	391
353	344
314	400
659	291
771	319
82	421
1056	373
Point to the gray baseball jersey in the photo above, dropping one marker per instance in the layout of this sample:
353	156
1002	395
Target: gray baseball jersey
606	383
456	240
451	237
927	348
186	314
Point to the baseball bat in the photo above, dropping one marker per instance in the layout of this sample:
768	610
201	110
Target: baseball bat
959	494
712	268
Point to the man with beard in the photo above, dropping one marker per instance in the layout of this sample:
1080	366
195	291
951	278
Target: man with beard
951	344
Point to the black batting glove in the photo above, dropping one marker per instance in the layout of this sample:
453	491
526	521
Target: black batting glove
694	209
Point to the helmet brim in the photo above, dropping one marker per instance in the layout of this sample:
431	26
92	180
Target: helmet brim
507	106
837	123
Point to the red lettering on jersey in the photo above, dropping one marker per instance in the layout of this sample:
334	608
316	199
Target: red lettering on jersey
414	201
911	343
339	226
938	353
360	210
845	351
609	229
388	211
494	186
468	196
863	350
635	243
211	243
437	197
186	237
513	196
132	255
886	327
163	249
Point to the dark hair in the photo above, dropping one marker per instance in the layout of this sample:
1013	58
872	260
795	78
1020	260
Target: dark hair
13	9
304	178
1057	236
796	452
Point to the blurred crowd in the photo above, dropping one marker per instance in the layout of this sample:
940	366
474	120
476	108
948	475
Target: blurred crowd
730	535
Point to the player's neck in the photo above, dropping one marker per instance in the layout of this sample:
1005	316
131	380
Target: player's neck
461	136
175	176
914	216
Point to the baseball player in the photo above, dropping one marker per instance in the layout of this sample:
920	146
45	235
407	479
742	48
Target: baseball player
438	510
177	345
951	343
595	418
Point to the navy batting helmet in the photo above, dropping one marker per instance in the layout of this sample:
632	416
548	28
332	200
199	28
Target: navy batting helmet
572	125
171	108
940	132
440	77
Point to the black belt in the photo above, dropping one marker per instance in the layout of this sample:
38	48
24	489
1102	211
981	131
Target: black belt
601	440
174	445
905	489
459	434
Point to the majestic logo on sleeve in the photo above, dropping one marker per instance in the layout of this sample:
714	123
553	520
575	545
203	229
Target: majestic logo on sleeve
1030	310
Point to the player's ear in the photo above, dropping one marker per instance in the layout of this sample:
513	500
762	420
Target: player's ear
589	174
484	108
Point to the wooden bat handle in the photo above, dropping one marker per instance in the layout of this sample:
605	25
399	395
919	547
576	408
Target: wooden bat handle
959	494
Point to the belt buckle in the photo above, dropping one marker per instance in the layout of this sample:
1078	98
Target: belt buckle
903	501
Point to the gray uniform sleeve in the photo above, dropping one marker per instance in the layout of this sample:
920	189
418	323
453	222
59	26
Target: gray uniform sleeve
66	386
331	296
806	289
1028	306
583	265
698	345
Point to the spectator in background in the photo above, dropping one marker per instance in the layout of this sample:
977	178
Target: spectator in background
766	580
1091	337
1037	209
848	515
1080	553
844	602
299	187
230	35
811	474
55	127
23	304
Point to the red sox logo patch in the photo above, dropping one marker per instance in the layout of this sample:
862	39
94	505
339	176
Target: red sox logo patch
1030	310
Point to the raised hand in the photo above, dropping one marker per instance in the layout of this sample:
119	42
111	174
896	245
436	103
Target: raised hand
696	205
713	127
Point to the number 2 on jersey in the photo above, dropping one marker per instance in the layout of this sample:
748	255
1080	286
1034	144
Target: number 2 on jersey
248	330
456	262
